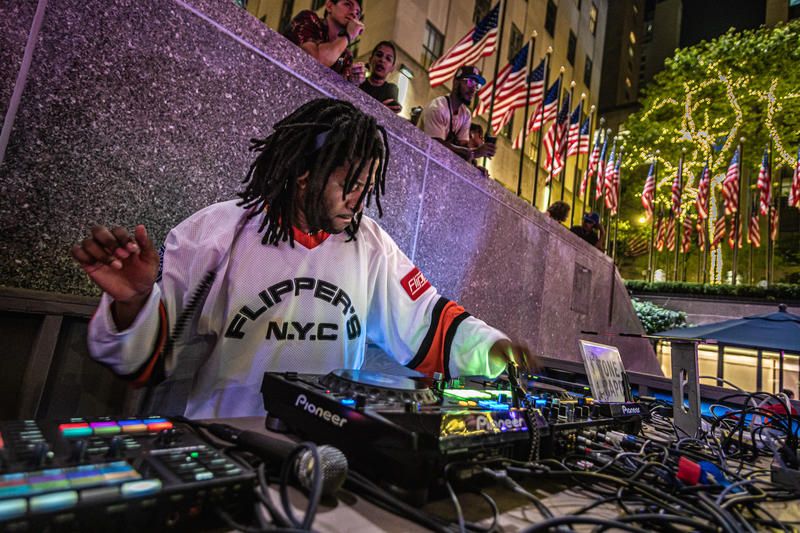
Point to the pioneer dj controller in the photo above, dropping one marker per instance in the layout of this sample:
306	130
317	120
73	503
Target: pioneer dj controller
404	431
113	474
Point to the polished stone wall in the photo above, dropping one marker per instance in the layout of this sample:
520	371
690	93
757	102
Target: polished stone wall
140	111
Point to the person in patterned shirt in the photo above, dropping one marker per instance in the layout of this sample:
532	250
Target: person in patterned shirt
328	39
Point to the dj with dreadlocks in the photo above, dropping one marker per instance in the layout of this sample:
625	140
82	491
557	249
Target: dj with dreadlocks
292	276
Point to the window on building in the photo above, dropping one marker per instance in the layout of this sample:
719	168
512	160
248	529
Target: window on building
482	7
316	4
515	43
593	19
579	5
571	47
587	72
286	15
432	46
550	17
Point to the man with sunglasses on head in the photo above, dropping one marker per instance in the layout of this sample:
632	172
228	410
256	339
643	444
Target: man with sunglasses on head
328	39
447	118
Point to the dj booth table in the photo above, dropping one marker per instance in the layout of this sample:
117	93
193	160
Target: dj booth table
352	513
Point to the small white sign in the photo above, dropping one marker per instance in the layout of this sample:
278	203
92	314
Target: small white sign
604	369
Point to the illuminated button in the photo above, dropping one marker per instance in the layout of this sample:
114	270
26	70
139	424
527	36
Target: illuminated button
10	489
13	508
158	426
348	401
53	502
203	476
89	478
75	430
132	426
144	487
105	428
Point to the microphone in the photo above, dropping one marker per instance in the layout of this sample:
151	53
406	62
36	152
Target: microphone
333	463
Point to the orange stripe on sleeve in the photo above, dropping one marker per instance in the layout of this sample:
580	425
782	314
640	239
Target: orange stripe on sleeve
433	361
145	372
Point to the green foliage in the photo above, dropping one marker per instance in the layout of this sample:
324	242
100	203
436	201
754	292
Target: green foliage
784	292
716	79
655	318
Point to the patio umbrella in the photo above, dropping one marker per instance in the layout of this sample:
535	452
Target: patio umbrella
779	332
771	331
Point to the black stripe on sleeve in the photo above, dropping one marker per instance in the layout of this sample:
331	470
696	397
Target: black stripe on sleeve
425	347
448	341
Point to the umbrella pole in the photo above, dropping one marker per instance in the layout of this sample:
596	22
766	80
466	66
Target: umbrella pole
780	372
759	371
720	364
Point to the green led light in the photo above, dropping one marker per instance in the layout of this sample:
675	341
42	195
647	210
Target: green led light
195	455
466	394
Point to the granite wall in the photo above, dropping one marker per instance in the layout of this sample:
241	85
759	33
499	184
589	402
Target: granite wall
141	111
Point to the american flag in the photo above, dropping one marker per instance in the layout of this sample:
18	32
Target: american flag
608	175
594	158
513	97
773	222
511	75
613	193
764	184
730	187
719	231
548	107
686	240
701	234
574	125
660	232
649	191
600	181
753	227
671	231
794	192
579	142
479	42
733	234
554	141
702	193
676	190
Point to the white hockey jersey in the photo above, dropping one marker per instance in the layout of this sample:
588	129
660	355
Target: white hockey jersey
277	308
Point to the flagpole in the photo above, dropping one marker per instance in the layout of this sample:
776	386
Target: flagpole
531	51
616	215
563	172
603	198
736	222
545	89
705	223
590	198
750	221
549	186
652	222
680	205
769	220
496	68
575	174
774	229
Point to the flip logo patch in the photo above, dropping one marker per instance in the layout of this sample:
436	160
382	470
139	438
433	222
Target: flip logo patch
415	283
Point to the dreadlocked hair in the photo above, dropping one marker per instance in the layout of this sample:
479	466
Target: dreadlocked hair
318	137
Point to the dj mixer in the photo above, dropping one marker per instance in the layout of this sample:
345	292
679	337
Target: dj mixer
114	474
404	432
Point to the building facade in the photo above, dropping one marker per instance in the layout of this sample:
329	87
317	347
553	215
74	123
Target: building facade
423	30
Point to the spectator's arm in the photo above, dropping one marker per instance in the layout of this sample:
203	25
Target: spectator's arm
326	53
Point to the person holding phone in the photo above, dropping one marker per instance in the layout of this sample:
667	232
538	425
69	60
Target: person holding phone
447	118
381	64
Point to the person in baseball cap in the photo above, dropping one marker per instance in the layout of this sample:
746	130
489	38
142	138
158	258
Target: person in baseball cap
586	231
447	118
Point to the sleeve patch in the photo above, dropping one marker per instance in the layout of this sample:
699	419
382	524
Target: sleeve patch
415	284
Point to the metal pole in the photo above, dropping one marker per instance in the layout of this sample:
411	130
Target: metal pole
565	149
496	67
736	221
527	105
677	221
541	127
549	186
769	220
576	173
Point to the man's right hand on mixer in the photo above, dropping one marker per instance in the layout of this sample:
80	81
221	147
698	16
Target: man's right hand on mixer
125	266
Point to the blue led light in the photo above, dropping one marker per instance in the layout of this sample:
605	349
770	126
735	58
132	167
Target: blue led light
348	401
